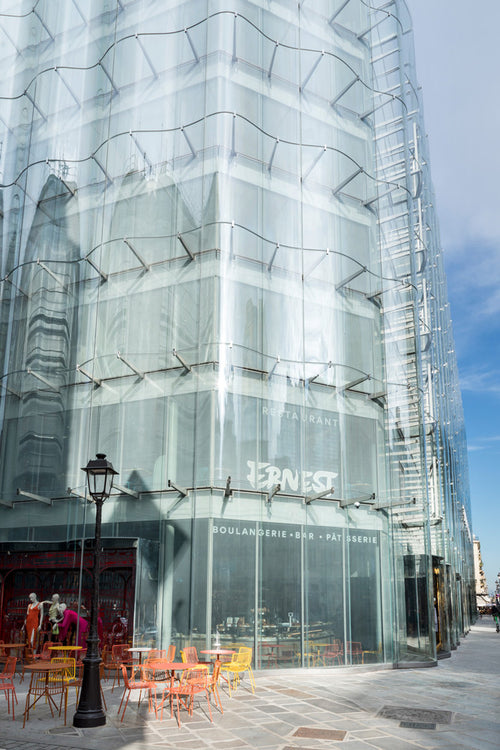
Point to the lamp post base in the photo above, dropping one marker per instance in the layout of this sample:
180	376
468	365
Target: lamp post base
85	720
89	712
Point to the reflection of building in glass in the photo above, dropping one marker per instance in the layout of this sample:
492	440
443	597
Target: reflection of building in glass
221	267
482	596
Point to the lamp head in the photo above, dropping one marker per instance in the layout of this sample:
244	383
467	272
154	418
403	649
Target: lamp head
100	474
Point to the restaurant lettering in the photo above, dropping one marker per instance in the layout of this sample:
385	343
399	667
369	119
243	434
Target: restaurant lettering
294	416
264	476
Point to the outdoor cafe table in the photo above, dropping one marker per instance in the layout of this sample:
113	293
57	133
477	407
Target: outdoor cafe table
217	652
44	668
139	650
8	646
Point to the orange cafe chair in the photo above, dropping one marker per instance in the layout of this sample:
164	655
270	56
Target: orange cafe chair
193	682
334	650
356	650
109	664
7	682
190	656
213	685
132	684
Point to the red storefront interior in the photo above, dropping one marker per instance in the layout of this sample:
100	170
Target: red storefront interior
46	570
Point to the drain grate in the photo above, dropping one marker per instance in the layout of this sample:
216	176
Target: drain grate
320	734
425	715
417	725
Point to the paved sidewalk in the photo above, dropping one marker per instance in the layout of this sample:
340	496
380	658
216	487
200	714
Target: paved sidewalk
455	705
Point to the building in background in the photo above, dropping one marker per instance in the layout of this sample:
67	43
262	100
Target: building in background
221	267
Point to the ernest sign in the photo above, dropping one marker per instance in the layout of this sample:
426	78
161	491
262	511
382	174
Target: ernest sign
263	476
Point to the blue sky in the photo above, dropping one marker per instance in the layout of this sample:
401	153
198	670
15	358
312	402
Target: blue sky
458	63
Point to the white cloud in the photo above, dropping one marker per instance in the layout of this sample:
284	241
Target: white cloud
481	382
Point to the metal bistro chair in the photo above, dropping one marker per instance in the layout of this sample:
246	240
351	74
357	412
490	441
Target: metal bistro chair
355	649
335	650
109	664
132	684
68	672
240	663
193	682
120	653
190	656
7	682
213	685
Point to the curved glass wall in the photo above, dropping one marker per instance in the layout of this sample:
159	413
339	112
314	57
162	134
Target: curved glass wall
210	273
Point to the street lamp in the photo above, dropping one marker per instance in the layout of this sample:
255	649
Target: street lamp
89	713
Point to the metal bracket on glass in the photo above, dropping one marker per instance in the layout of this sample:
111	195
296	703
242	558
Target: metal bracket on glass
193	49
139	373
79	494
357	501
126	491
11	390
397	504
379	397
228	491
137	254
271	371
318	374
33	496
353	383
311	166
43	380
270	264
273	153
18	288
344	183
310	498
184	245
420	524
350	278
344	91
97	381
104	276
309	75
181	360
51	273
274	491
180	490
338	11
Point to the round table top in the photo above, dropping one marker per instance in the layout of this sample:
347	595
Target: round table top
141	649
65	648
172	665
217	651
48	666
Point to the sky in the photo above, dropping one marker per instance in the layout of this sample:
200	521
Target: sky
458	64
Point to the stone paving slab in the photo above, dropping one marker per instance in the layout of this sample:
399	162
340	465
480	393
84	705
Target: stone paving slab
348	702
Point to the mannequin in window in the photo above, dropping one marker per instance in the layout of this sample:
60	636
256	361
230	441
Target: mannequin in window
33	621
69	619
55	613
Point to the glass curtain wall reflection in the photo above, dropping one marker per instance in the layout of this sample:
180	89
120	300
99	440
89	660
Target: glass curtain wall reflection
213	270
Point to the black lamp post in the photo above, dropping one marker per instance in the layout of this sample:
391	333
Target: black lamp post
89	713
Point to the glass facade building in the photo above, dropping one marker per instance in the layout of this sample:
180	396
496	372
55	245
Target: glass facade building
221	267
